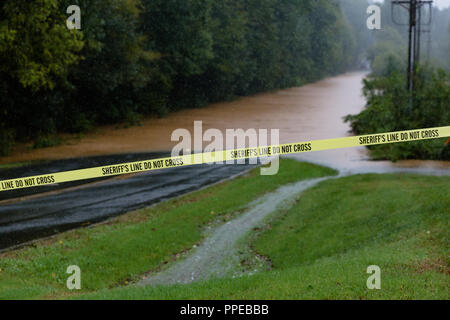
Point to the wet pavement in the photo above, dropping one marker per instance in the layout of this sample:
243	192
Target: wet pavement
42	212
52	166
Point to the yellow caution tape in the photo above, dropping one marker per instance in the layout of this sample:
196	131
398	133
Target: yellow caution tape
225	155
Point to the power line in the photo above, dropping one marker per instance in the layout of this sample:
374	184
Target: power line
415	24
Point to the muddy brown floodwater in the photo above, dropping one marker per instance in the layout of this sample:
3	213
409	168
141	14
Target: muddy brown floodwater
313	111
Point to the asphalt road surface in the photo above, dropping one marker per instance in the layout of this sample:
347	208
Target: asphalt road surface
86	202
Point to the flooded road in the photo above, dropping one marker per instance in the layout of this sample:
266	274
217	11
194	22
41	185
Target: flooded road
313	111
310	112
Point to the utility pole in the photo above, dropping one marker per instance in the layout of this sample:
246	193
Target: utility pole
415	25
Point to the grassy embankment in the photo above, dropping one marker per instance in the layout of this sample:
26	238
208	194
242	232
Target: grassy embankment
121	250
320	248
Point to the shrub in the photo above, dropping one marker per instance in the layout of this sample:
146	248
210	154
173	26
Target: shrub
391	107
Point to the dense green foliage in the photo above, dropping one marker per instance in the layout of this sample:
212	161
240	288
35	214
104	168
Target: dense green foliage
391	107
134	57
355	11
36	50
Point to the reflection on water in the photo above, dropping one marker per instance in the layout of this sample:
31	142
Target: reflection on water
313	111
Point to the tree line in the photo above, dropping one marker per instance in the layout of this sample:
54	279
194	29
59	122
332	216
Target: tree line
151	57
387	49
390	105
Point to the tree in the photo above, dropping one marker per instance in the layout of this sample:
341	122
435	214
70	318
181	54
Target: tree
35	45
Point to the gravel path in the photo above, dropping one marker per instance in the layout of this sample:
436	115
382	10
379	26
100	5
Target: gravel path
218	255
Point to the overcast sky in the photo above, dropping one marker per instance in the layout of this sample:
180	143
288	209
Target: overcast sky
439	3
442	3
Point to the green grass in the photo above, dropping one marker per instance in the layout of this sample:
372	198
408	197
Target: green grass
322	246
121	250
